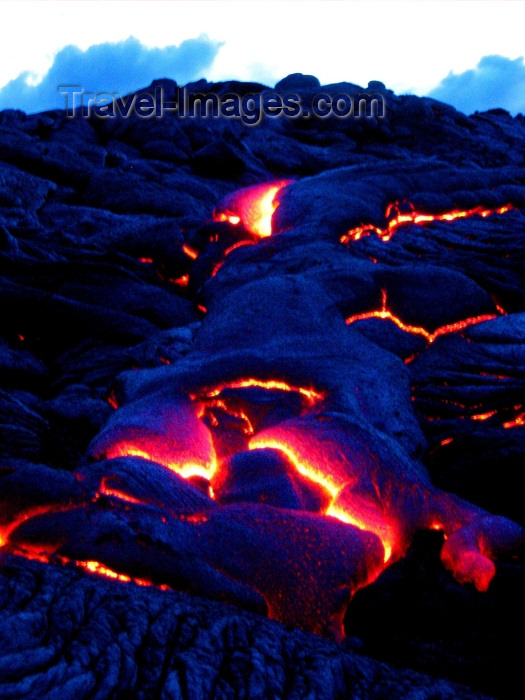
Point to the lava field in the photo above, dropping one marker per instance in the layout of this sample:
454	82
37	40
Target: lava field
262	403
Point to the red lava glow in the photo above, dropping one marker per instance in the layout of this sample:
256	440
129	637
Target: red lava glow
310	395
384	313
180	281
186	469
229	250
106	490
45	553
207	410
252	206
95	567
230	218
415	217
379	527
495	376
483	416
7	529
517	421
333	482
112	400
190	252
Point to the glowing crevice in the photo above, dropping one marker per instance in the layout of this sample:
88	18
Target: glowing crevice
186	470
190	252
207	410
517	421
110	492
309	394
229	250
181	281
8	528
333	484
414	217
385	314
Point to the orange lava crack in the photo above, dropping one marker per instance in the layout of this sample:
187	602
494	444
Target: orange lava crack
384	313
333	484
414	217
310	395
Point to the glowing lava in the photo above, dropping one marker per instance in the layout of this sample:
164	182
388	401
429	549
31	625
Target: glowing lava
252	206
384	313
190	252
182	468
229	250
310	395
414	217
181	281
106	490
7	529
95	567
207	410
518	421
322	462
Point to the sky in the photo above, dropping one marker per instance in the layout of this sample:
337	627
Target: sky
468	53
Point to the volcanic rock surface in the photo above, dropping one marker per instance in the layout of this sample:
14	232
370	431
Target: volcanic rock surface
204	425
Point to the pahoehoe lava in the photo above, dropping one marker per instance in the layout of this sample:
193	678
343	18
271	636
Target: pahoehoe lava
262	372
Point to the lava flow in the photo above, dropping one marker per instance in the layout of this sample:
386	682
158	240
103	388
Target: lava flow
332	480
384	313
322	473
414	217
252	206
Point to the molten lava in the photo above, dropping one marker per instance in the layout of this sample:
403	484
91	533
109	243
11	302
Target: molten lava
211	404
384	313
310	395
413	217
7	529
252	206
356	483
229	250
106	490
181	281
333	481
518	421
190	252
186	469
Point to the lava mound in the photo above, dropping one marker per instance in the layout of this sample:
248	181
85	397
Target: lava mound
262	372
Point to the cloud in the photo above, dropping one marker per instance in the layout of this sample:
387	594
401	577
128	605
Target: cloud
496	81
110	67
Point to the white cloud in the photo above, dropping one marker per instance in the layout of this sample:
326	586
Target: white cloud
110	67
496	81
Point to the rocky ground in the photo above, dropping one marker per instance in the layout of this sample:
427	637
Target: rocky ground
351	387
